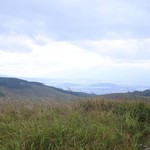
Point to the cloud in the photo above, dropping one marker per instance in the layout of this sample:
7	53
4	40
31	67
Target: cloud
76	20
13	44
62	59
127	72
120	49
50	58
69	39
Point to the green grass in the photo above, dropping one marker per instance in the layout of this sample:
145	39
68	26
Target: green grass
96	124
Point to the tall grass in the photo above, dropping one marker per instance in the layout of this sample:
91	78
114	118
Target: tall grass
96	124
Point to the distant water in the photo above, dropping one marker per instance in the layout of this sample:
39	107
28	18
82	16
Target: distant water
88	86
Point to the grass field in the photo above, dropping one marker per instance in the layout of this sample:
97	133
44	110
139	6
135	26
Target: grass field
90	124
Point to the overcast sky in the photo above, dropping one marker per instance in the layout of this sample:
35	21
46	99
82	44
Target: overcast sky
106	40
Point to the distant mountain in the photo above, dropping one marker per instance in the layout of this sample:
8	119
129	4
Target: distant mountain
19	87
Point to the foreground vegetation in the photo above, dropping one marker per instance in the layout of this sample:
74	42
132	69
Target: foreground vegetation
96	124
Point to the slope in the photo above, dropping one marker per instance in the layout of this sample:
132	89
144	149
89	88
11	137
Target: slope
18	87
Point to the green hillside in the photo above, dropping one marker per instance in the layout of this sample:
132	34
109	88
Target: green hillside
17	87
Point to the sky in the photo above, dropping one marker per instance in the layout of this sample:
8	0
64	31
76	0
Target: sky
101	40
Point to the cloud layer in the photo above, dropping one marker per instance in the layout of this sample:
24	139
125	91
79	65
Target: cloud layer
112	60
74	20
121	49
107	40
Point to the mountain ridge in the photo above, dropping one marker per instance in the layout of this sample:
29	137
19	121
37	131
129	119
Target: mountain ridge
20	87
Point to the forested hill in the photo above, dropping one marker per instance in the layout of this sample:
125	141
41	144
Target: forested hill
19	87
